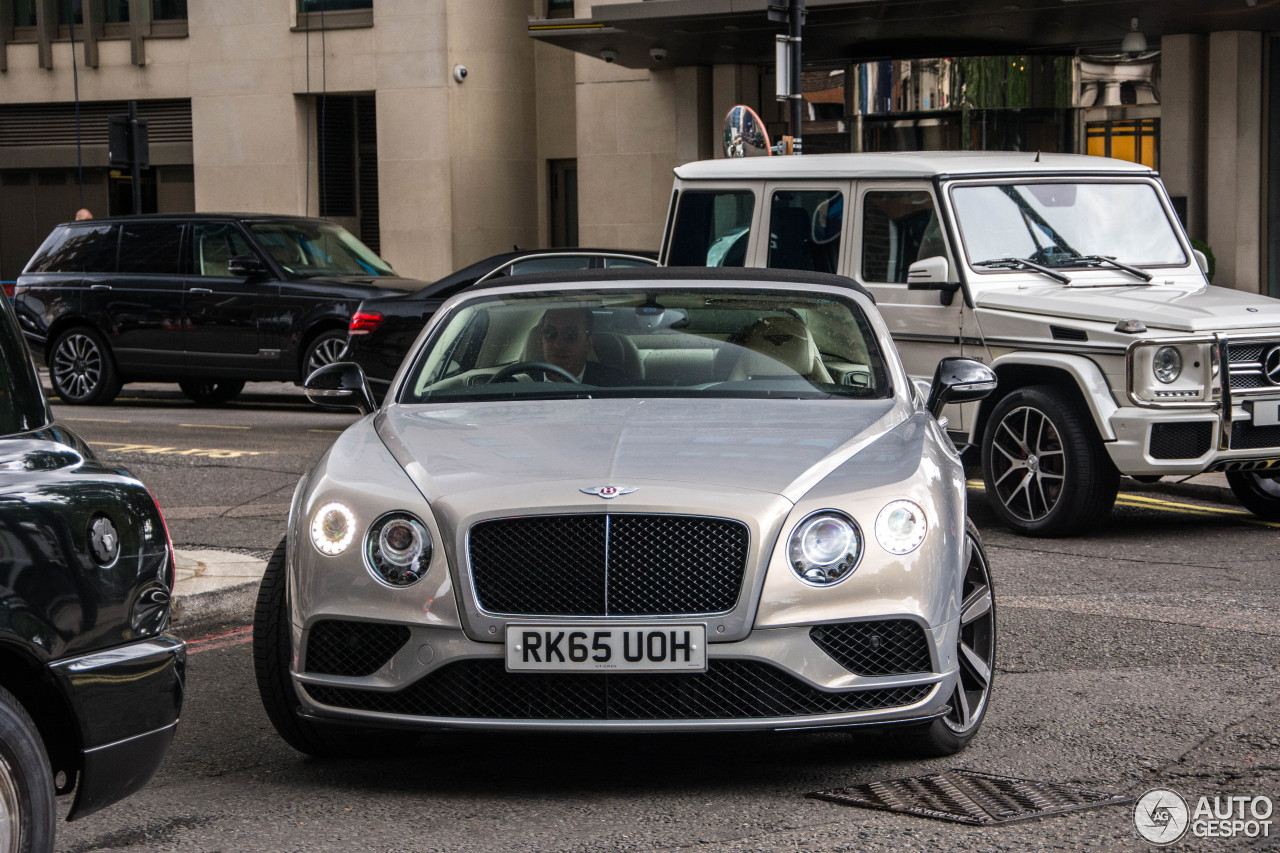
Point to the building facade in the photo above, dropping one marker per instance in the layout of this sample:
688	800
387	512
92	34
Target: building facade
441	131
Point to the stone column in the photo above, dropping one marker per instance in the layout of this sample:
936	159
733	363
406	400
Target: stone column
1183	91
1234	171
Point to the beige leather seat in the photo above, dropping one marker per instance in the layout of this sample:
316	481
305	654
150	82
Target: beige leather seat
779	346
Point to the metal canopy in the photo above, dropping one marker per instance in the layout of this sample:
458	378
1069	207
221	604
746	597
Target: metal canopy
708	32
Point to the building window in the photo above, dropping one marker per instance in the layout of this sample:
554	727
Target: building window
168	10
24	13
1136	140
559	8
334	14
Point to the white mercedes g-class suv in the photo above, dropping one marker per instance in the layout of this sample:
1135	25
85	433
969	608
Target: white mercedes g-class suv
1069	275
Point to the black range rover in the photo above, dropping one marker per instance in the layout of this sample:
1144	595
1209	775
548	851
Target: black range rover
90	683
209	301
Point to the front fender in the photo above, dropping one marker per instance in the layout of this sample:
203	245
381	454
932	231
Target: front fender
1083	373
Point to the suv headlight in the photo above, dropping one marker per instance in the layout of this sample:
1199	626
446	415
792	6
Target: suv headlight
398	549
900	527
332	529
1172	372
825	548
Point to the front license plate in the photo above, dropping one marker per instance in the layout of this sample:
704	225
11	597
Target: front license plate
591	648
1265	412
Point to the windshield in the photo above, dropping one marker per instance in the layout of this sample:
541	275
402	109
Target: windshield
1061	224
702	342
318	248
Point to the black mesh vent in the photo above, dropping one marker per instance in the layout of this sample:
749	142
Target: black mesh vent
1181	440
1062	333
1244	363
728	690
1246	436
891	647
615	565
352	648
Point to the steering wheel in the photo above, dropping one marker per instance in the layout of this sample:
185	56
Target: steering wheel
531	366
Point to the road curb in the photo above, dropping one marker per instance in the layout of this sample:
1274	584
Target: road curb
214	586
230	604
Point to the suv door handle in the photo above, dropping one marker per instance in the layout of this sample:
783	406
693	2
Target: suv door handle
199	290
99	287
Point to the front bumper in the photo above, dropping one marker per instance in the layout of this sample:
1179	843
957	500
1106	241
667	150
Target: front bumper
126	703
772	679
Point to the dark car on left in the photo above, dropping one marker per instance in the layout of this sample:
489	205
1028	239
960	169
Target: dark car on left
91	683
209	301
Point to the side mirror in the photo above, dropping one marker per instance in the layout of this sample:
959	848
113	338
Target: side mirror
340	385
1202	260
246	265
932	274
959	380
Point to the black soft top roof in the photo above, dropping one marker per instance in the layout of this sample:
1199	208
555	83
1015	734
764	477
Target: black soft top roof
693	275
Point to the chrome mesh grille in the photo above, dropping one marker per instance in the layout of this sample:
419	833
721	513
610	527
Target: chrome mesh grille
339	647
728	690
608	565
888	647
1244	364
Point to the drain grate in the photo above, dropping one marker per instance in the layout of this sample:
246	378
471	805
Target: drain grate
970	797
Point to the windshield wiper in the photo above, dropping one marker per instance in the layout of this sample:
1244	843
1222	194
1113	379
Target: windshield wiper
1024	264
1103	259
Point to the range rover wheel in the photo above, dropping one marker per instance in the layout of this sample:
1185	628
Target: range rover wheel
272	652
82	369
325	349
1046	471
976	655
208	392
28	810
1259	491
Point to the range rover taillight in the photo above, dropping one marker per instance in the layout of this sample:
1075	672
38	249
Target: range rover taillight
9	288
364	322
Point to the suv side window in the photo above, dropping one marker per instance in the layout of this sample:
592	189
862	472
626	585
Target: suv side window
90	248
804	230
213	245
712	228
899	227
151	248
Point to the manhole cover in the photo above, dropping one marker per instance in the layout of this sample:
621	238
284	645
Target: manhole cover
967	796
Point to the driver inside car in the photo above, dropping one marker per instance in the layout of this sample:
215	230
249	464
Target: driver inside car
565	337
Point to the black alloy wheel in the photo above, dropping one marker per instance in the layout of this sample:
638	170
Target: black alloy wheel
28	809
211	392
327	348
975	656
1045	469
82	369
1258	491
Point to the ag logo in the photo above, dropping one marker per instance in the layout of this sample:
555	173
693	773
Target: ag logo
1271	365
1161	816
607	492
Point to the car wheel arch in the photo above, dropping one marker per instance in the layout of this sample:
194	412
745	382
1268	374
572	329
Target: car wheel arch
24	677
1068	373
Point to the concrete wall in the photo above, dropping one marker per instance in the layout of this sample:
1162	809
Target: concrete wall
1234	170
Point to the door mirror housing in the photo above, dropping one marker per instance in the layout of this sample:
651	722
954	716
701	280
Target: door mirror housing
959	380
340	385
247	266
1202	260
933	274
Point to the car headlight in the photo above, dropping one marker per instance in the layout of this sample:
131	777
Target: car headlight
900	527
1167	364
825	548
332	529
398	549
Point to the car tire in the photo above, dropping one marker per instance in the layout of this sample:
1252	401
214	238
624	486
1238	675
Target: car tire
209	392
1045	469
326	348
976	654
81	368
272	652
28	808
1259	492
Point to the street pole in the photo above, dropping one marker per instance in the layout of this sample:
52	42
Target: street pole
795	21
134	156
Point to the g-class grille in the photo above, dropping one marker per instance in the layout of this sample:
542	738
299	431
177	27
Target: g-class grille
608	565
728	690
1245	364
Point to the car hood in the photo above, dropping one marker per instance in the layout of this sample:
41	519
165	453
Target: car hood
781	447
1175	307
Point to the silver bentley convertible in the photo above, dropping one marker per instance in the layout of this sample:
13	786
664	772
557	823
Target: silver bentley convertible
635	500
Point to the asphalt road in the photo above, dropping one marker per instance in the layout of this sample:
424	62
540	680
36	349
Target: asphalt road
1144	655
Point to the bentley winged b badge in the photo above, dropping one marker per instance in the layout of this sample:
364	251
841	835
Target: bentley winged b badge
607	492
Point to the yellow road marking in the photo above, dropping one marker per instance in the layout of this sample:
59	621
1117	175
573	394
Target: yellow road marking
96	420
213	426
326	430
1144	502
158	450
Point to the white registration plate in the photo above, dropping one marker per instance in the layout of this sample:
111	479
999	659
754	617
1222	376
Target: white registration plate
593	648
1265	412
